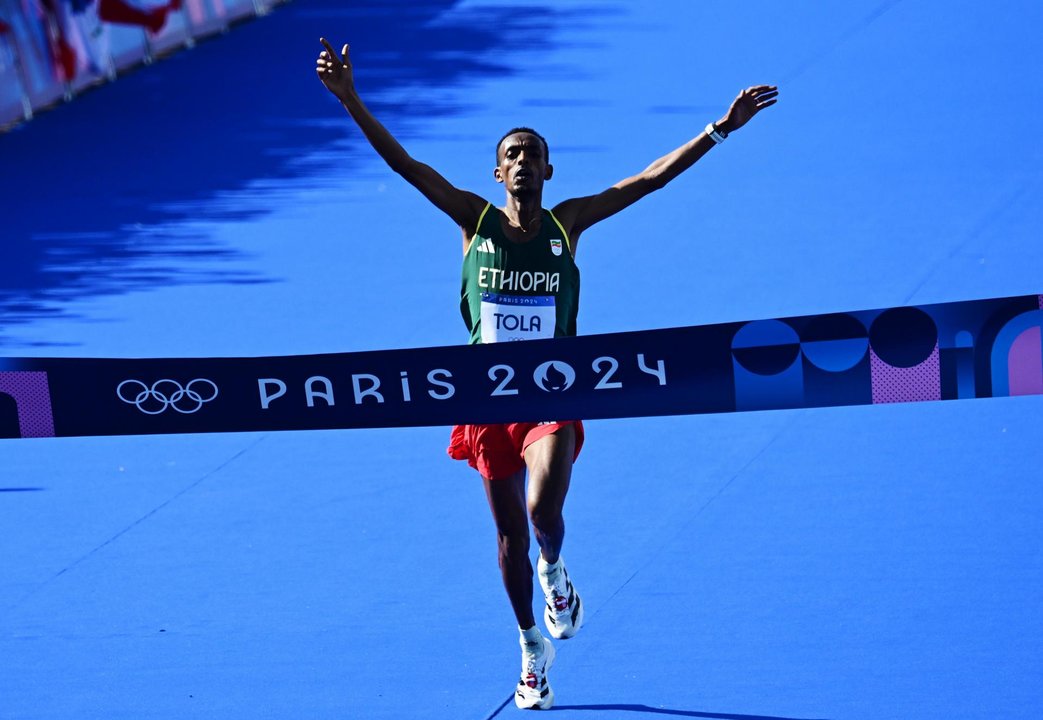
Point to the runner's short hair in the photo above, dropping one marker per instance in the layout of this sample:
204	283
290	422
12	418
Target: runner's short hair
530	131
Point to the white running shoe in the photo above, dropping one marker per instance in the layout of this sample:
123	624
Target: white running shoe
534	692
564	611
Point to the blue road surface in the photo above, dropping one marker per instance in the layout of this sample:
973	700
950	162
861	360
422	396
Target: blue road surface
844	563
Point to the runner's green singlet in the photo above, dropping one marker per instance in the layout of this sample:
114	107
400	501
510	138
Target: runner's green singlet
519	291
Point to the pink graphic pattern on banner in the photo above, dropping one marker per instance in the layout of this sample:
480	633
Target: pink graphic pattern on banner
897	384
1025	363
32	395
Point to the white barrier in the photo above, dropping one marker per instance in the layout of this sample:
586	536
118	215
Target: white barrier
50	50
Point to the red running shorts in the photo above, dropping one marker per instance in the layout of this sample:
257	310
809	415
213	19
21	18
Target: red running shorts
498	451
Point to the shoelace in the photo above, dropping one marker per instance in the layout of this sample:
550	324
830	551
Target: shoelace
532	661
560	585
559	589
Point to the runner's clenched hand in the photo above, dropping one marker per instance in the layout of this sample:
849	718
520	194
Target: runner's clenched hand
335	72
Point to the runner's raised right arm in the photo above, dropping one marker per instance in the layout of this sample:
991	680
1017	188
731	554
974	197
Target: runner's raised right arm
462	206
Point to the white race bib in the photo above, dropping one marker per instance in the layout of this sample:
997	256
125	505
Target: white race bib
517	317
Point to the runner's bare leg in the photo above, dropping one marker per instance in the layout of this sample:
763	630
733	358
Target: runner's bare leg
549	460
507	502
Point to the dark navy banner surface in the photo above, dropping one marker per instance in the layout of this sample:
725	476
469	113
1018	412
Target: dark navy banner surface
978	348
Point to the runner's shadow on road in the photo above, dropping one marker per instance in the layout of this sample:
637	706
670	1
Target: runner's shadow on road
647	709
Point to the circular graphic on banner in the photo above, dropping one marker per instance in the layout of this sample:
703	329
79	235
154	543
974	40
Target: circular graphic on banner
766	347
903	337
835	343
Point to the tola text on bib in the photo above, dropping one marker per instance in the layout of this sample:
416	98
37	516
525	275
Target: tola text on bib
517	317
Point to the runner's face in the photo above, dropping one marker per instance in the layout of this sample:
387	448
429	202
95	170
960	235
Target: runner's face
523	164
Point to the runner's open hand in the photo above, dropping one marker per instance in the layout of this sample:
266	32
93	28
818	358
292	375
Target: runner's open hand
335	72
748	103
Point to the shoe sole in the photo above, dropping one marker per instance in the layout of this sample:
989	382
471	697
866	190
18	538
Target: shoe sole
545	703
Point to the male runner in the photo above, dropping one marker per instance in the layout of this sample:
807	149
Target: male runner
520	281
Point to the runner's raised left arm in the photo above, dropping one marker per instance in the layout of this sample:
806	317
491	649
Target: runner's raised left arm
580	213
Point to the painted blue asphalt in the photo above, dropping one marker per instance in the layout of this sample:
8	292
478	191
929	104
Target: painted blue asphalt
871	562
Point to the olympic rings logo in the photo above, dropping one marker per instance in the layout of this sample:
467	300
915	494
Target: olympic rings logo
166	393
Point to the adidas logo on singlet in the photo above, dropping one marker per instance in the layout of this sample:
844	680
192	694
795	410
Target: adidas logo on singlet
487	246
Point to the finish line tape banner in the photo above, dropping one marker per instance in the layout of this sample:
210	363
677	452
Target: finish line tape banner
949	351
